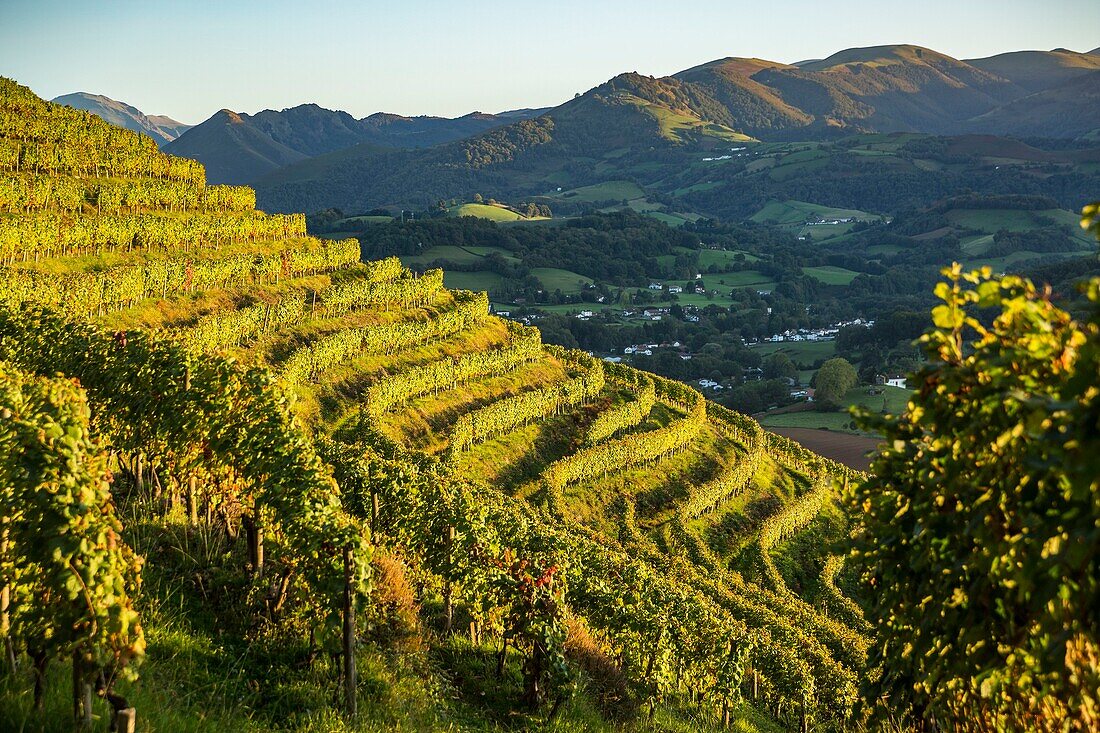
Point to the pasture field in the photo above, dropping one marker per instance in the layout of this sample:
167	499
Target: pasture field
675	126
990	221
607	191
553	278
793	212
476	281
723	258
891	400
741	279
486	211
448	252
350	222
803	353
830	275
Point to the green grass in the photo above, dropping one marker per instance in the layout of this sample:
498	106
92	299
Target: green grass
740	279
830	275
1003	264
798	164
976	245
487	281
607	191
680	127
840	420
798	212
352	221
803	353
455	255
673	220
990	221
486	251
704	186
884	249
485	211
553	279
723	258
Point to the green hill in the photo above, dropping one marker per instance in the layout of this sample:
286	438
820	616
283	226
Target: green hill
351	483
486	211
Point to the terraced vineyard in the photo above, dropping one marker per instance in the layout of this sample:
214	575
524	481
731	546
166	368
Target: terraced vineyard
537	497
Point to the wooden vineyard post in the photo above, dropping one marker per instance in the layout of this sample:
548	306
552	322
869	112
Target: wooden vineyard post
82	696
126	721
350	681
5	628
139	482
5	610
259	551
193	500
448	604
803	722
254	534
755	684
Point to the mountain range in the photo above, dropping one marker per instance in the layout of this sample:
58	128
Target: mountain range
309	158
239	148
633	127
162	129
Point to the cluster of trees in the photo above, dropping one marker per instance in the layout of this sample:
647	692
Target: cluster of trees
832	381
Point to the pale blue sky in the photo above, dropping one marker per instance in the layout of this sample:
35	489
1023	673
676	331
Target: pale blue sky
189	58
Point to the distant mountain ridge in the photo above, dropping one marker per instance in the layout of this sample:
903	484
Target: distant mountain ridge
1039	70
162	129
239	148
632	119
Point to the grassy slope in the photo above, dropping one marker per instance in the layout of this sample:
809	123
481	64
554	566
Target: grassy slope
485	211
831	275
895	400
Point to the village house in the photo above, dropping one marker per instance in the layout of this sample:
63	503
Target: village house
896	380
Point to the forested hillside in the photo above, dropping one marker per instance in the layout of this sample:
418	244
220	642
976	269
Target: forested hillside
294	490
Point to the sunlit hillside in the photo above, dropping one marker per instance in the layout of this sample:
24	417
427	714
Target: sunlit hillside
524	533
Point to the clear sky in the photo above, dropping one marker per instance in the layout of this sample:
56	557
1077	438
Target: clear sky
189	58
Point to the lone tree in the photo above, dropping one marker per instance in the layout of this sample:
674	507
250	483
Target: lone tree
979	540
833	379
